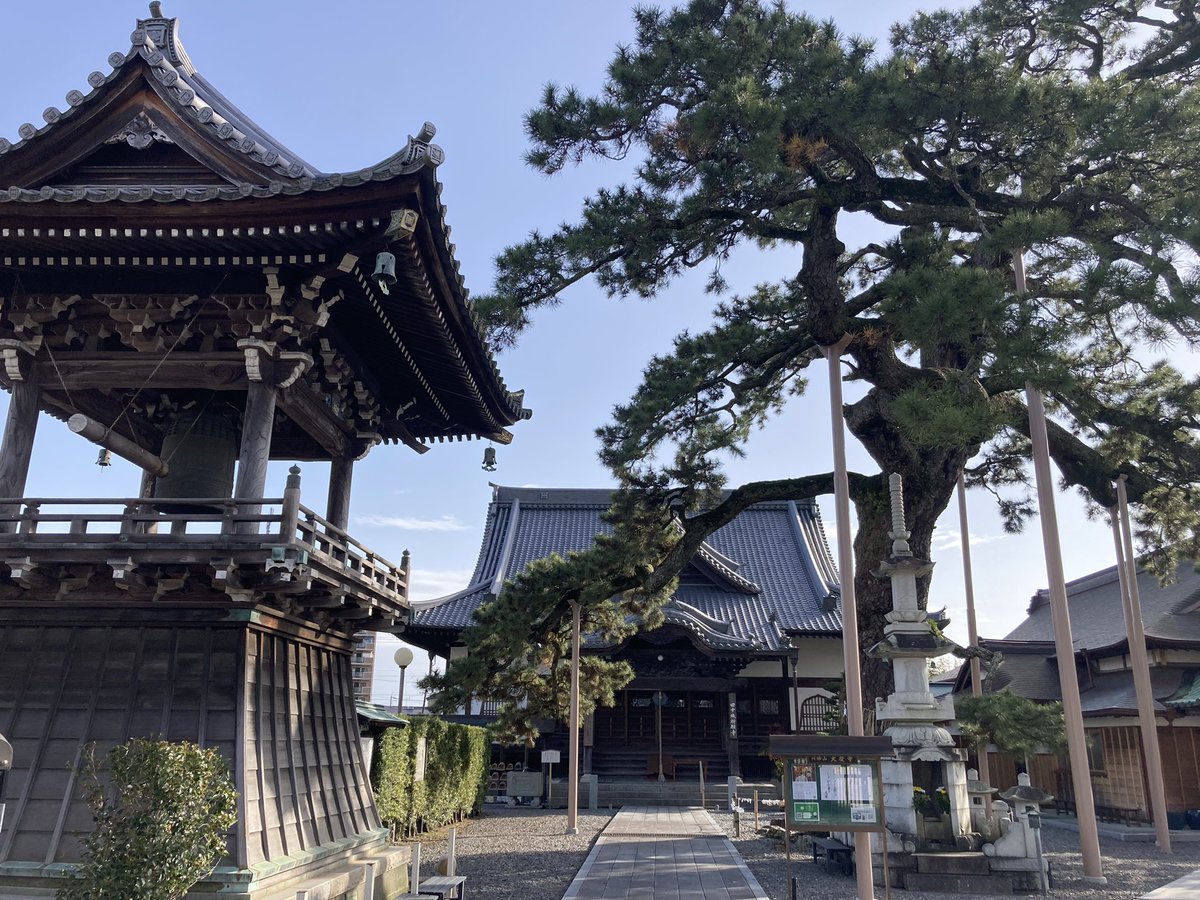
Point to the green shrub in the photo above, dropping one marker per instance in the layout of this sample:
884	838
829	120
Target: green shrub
456	767
161	817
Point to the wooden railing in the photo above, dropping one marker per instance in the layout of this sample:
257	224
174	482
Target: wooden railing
45	520
221	525
322	536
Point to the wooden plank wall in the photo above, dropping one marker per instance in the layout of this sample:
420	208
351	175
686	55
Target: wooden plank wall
1122	786
1119	786
63	686
274	696
305	782
1180	749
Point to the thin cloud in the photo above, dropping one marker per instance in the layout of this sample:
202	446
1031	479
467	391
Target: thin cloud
409	523
944	539
428	584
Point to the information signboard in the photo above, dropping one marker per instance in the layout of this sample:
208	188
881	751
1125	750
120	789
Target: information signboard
829	793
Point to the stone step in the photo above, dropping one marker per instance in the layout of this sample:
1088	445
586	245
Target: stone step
969	885
960	863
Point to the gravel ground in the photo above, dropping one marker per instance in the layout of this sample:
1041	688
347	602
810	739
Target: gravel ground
1132	869
522	854
517	854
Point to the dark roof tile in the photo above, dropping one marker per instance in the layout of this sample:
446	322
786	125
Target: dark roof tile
779	548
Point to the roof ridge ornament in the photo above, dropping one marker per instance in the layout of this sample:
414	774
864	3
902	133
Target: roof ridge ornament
416	153
163	33
140	133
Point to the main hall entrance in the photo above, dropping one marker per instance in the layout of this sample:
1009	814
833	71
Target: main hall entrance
692	728
689	718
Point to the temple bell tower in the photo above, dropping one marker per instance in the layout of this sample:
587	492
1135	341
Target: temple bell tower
191	295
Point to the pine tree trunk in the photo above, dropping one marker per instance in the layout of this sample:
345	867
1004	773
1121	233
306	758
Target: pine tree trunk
929	477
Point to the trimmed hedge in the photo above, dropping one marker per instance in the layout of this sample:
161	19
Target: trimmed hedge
456	769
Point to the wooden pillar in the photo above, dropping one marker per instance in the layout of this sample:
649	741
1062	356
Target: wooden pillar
1060	620
19	430
257	423
337	508
850	648
733	749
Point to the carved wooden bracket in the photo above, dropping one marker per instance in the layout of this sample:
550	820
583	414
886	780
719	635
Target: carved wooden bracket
275	290
265	362
17	357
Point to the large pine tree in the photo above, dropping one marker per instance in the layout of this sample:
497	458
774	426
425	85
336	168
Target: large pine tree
1064	129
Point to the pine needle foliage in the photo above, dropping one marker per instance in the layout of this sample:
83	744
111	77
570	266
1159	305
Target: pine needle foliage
1016	725
1067	131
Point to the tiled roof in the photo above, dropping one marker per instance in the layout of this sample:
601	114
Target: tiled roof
372	712
1113	694
255	173
1171	617
155	42
1028	669
1097	616
764	575
1187	696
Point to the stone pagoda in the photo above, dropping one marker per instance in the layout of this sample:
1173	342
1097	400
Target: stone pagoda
925	755
193	296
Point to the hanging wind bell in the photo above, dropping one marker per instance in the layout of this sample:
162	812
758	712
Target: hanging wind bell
489	459
104	460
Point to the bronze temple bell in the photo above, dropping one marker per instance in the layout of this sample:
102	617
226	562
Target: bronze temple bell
201	451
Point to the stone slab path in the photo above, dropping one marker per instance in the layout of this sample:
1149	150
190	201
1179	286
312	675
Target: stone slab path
1185	888
664	853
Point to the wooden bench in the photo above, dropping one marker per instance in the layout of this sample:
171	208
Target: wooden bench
839	857
445	886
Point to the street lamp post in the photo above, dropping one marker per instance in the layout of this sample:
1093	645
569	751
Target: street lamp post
403	658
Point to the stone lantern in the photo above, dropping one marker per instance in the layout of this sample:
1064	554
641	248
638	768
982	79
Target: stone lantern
977	794
1018	850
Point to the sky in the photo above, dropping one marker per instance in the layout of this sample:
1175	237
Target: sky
343	86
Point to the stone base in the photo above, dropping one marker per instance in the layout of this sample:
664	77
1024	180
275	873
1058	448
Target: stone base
1024	872
339	865
899	864
959	873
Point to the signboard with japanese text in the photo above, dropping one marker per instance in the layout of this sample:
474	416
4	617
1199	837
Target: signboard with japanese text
833	793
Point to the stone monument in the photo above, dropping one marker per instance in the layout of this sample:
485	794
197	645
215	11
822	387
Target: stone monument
925	755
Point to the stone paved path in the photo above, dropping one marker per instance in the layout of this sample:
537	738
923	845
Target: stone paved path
664	853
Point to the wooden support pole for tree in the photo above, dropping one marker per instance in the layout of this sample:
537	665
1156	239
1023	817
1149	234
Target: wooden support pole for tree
573	746
1060	617
119	444
972	631
850	648
337	508
1127	570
